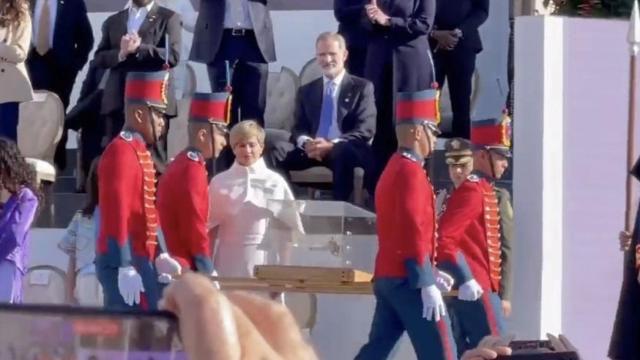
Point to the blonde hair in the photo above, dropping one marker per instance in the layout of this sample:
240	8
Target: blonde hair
334	36
246	129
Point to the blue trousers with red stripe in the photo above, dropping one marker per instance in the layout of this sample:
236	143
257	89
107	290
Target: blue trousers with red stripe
476	319
399	309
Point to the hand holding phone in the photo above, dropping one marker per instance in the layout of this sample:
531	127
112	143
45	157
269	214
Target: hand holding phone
489	348
38	331
235	324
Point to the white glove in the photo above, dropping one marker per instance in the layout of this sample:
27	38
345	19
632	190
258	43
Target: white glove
444	281
470	291
215	283
165	264
130	285
432	303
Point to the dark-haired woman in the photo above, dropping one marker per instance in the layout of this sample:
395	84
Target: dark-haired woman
15	39
19	191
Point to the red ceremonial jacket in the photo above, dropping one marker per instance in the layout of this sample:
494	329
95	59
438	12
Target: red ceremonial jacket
126	183
406	221
469	234
183	204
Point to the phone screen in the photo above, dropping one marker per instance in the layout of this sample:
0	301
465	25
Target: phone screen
33	332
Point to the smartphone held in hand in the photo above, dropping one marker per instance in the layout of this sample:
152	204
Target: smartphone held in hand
33	331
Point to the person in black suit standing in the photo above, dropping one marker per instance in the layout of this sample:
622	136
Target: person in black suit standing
398	60
62	40
335	121
238	33
143	37
349	15
456	42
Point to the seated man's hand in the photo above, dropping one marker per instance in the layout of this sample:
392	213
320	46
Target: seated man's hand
309	148
235	326
489	348
321	148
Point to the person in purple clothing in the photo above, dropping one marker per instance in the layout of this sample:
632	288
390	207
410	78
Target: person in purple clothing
19	192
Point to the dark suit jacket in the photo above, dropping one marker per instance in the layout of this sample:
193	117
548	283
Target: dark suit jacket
356	115
72	37
210	25
150	56
87	110
349	15
405	43
466	15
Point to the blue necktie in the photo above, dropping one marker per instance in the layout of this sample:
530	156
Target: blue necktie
326	113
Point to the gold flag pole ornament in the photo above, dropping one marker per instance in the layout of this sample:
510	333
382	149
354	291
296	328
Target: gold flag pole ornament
633	38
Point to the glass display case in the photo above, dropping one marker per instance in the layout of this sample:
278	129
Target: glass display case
329	233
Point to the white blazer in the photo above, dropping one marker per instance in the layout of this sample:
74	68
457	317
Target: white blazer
15	41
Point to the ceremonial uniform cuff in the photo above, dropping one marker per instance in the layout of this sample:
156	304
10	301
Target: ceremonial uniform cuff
459	269
203	264
419	275
122	252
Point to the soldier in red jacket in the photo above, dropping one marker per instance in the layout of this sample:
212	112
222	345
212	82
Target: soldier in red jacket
128	236
469	246
183	193
408	297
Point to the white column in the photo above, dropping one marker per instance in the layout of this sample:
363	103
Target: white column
538	176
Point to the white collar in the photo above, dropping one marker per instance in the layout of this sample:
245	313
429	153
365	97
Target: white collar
136	9
337	80
258	167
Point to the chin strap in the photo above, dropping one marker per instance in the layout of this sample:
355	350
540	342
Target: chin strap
491	163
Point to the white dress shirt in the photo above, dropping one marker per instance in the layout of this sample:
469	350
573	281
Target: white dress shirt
137	16
334	129
53	12
237	15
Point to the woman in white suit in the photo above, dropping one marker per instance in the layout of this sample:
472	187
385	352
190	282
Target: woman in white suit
15	39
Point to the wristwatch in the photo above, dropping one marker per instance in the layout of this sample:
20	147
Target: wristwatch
458	32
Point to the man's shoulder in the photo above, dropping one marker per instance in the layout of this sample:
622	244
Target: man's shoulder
312	84
115	17
166	12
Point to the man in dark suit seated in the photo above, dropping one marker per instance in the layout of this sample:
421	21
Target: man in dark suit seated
335	121
62	40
